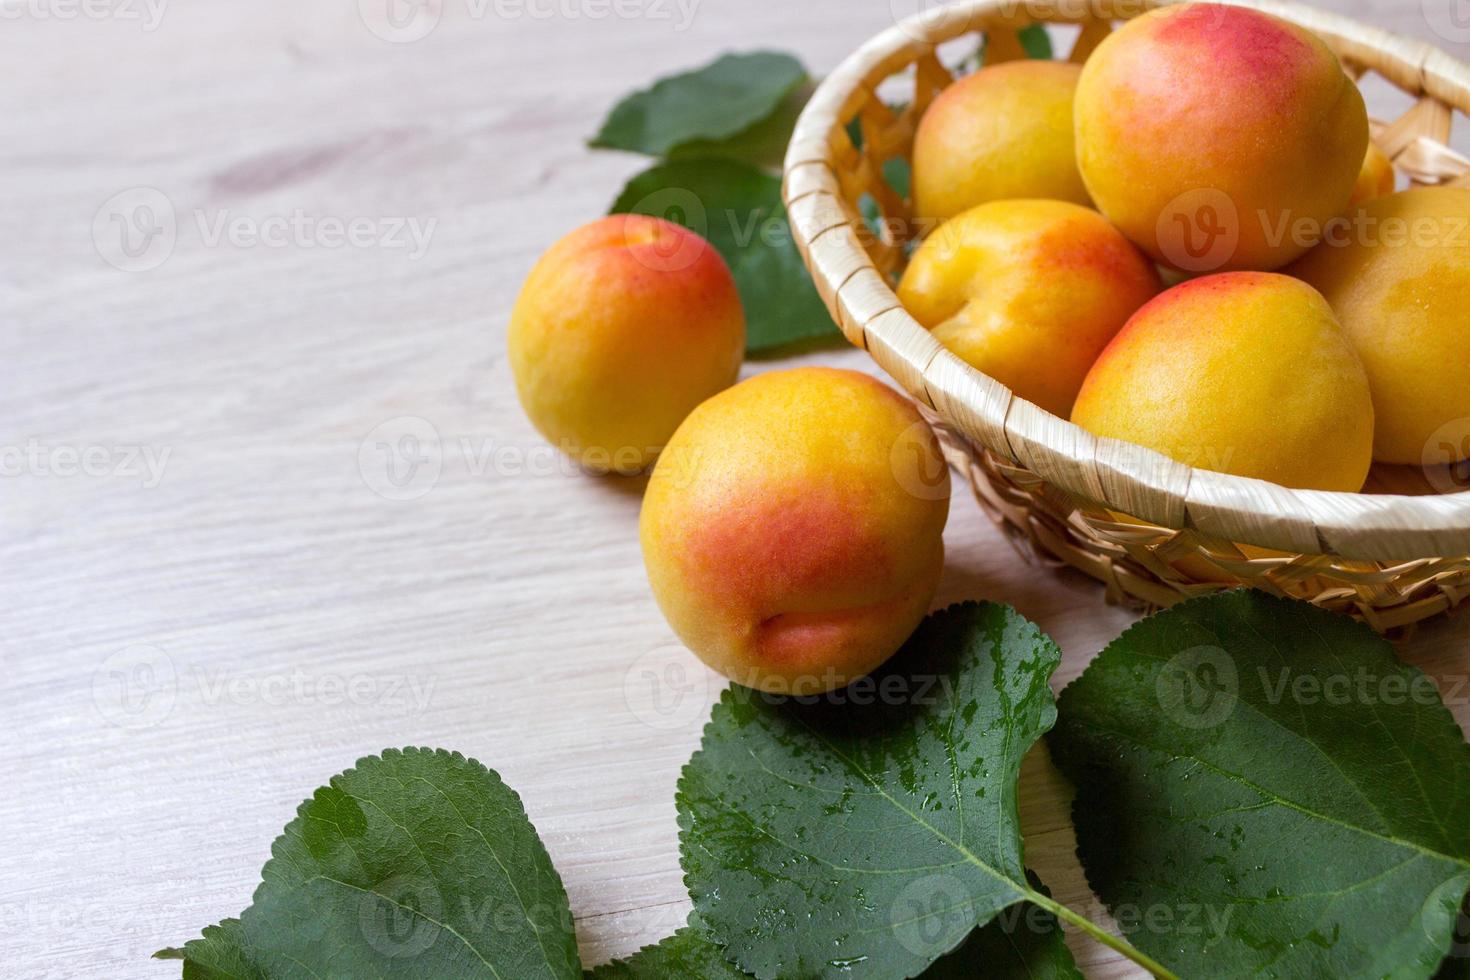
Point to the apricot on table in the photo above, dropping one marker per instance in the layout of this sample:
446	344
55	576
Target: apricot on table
1397	273
793	528
1207	132
1028	292
1003	132
1243	372
621	329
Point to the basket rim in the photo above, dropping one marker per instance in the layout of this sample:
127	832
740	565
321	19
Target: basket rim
1111	473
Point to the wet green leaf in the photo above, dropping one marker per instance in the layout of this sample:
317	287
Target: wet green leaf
738	208
869	832
687	953
1025	942
1264	789
1022	943
720	103
413	864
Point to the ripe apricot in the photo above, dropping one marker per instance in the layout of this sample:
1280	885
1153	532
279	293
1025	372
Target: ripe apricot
1207	132
1397	273
1003	132
1029	292
621	329
793	529
1246	373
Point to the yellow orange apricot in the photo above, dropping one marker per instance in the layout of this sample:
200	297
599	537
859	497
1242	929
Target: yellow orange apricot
793	529
1028	292
1003	132
1208	132
621	329
1246	373
1397	273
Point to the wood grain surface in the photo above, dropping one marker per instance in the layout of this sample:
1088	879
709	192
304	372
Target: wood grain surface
212	594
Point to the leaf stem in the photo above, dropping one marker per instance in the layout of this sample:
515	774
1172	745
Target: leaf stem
1102	935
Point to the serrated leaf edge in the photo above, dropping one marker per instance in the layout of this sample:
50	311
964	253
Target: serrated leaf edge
365	762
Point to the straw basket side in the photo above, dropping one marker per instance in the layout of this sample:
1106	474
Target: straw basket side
1154	531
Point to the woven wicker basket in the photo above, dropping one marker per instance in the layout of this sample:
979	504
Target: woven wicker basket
1153	530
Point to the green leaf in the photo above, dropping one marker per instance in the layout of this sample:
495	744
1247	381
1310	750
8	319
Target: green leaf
1024	942
738	208
763	144
687	953
1036	42
413	864
218	955
868	832
718	102
1264	789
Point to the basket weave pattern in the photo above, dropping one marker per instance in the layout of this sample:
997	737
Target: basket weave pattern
1153	530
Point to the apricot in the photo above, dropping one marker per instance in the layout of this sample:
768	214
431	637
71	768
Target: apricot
1003	132
1243	372
621	329
1207	132
1397	273
793	529
1028	292
1375	179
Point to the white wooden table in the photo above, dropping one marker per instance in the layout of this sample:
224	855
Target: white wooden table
190	649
